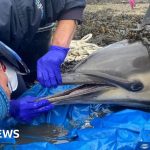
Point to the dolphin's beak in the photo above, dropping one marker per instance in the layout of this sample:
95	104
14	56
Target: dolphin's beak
103	94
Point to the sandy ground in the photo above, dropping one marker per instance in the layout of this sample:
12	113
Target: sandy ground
114	1
118	9
110	22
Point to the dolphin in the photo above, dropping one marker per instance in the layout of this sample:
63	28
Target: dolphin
116	74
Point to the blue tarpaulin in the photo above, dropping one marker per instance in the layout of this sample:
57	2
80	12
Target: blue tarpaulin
124	130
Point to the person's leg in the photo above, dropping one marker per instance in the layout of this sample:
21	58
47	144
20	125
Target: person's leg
36	49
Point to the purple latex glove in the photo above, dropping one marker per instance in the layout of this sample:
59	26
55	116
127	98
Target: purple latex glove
49	66
132	3
25	109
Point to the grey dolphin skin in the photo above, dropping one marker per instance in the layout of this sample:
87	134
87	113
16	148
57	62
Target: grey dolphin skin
116	74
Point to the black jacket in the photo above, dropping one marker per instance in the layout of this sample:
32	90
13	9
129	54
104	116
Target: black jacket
20	19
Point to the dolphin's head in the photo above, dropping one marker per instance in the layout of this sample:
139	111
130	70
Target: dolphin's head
119	73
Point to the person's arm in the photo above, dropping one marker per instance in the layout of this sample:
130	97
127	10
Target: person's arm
64	33
49	66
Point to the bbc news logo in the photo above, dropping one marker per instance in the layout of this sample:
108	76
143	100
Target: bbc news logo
9	134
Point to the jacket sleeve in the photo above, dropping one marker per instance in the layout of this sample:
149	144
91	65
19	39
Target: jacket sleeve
73	11
70	4
64	9
19	21
5	20
72	14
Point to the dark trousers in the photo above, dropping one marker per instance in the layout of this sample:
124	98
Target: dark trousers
32	52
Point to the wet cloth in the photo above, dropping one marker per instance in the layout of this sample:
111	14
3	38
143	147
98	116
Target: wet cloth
127	129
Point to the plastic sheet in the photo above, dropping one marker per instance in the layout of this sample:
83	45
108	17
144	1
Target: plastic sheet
124	130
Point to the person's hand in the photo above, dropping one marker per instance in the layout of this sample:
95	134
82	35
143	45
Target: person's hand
49	66
26	108
132	3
